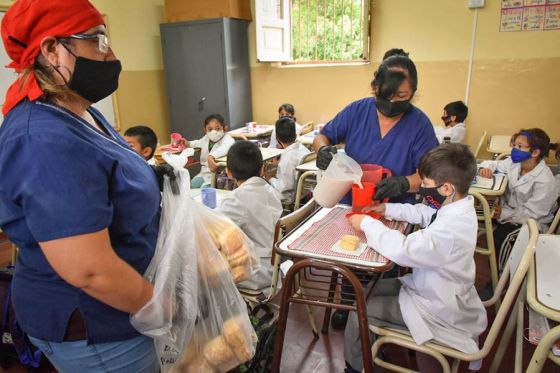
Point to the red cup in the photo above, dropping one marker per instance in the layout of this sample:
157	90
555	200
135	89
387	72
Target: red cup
362	197
175	139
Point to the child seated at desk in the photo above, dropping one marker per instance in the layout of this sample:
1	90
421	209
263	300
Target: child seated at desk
285	110
454	114
531	191
286	173
438	300
144	142
214	144
254	206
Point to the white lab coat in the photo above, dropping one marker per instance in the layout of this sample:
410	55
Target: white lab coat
532	195
438	300
274	142
455	133
255	207
286	173
219	149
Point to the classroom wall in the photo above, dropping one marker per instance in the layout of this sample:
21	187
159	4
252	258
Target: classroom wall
514	82
133	27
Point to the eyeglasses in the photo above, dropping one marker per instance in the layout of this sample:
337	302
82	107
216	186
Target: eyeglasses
102	40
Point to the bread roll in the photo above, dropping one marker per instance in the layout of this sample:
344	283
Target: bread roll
239	274
230	240
349	242
240	258
199	365
233	333
217	351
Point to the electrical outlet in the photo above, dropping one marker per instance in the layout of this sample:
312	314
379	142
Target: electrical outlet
476	4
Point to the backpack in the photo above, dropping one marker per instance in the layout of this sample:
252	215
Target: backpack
14	344
265	324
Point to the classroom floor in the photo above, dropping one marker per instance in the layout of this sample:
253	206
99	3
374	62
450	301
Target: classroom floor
304	354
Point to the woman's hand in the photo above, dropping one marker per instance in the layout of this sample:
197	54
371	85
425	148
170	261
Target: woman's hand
378	208
212	165
485	172
355	221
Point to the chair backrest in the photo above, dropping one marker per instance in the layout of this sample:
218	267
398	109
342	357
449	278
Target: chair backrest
554	224
521	257
287	223
503	156
308	157
480	142
306	128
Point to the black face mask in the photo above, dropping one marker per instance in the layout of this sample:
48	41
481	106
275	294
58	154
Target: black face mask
432	196
392	109
94	80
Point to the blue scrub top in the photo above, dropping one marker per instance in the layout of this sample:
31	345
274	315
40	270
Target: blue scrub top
357	125
61	178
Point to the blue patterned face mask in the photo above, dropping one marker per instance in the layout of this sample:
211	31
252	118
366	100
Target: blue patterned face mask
518	155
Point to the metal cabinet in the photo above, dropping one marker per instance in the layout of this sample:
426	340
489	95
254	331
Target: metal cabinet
206	66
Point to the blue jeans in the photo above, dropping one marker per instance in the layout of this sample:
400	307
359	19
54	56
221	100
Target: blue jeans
133	355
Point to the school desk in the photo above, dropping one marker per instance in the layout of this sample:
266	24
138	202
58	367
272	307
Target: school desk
260	131
543	296
267	154
313	243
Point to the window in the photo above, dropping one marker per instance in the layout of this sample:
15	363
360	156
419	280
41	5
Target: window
312	31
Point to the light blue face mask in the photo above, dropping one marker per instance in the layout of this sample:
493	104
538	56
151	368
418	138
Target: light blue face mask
518	155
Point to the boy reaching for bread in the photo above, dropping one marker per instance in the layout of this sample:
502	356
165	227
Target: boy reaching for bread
438	300
255	206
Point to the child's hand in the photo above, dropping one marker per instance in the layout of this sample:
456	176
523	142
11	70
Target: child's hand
378	208
485	172
497	211
212	165
355	221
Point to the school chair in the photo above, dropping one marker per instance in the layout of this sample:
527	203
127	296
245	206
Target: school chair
484	214
554	224
480	142
306	128
520	259
284	226
302	178
542	352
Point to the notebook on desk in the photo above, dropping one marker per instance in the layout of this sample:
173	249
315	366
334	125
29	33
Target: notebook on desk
493	183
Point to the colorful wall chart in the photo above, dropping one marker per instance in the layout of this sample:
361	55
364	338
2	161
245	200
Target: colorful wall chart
530	15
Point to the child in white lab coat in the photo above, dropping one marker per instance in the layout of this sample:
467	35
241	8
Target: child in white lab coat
214	144
254	206
454	114
144	142
285	110
285	179
438	300
532	190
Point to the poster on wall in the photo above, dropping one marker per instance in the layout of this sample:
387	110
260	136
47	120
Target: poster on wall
552	17
529	15
533	18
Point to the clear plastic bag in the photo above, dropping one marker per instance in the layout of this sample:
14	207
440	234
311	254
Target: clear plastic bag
197	318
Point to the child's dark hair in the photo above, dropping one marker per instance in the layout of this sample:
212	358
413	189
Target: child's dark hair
217	117
450	163
537	139
458	109
244	160
395	52
146	137
390	75
286	130
288	108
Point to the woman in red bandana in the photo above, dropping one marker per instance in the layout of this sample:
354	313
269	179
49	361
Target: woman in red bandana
80	204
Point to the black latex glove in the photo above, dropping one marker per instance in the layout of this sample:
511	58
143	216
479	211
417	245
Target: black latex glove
160	172
325	156
391	187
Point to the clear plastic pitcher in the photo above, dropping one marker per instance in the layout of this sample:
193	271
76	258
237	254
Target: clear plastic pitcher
337	180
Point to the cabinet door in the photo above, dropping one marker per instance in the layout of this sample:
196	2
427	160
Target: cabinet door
195	75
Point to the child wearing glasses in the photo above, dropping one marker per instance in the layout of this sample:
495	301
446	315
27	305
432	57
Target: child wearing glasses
531	191
438	300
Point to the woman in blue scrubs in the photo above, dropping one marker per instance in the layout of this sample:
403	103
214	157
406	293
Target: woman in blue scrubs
80	204
386	130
